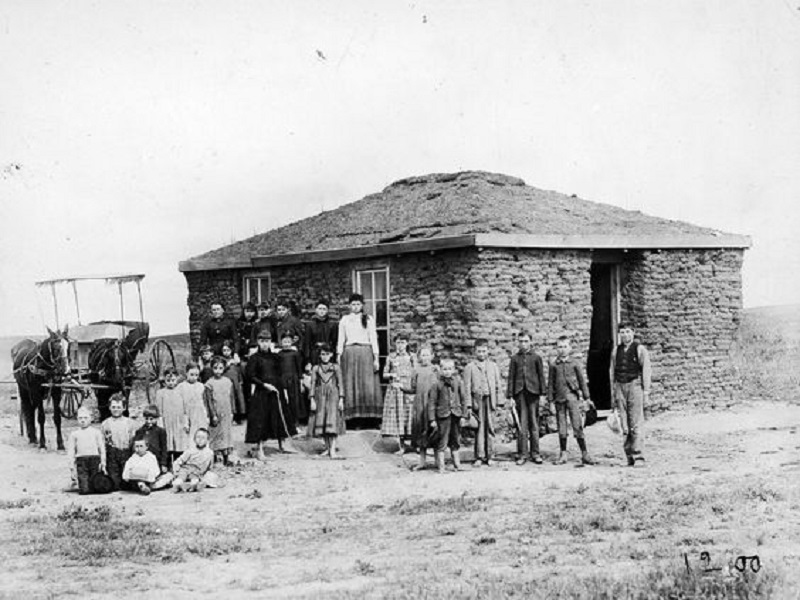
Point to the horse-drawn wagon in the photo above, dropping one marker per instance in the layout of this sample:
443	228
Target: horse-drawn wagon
101	357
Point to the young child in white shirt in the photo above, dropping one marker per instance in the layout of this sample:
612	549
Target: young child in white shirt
141	469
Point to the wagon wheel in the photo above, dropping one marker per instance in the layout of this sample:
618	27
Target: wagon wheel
159	358
71	401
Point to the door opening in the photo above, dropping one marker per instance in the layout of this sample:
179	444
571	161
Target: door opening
605	299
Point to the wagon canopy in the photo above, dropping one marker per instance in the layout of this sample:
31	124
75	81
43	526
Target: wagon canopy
64	292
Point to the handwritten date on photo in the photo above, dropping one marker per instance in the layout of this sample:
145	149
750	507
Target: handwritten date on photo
741	564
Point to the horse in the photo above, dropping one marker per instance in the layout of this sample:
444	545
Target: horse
37	364
112	365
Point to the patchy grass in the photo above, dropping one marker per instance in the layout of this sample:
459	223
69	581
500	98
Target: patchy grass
98	537
21	503
660	582
416	506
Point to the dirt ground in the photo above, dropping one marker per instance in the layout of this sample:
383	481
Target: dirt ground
368	526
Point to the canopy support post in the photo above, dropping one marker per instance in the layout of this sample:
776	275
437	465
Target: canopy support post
121	303
55	304
77	305
141	306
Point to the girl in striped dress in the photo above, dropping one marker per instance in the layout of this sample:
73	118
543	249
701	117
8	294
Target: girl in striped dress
397	404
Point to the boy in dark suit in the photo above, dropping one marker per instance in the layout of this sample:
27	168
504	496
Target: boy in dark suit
447	408
566	386
525	385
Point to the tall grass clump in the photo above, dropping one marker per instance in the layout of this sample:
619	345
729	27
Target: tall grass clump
98	536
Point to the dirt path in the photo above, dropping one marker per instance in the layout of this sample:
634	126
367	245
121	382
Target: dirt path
366	524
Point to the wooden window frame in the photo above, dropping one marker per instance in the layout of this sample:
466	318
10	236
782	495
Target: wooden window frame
258	276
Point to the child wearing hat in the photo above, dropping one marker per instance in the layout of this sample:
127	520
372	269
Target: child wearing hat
141	469
86	450
155	436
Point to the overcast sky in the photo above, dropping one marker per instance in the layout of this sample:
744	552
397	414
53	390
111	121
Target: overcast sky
137	134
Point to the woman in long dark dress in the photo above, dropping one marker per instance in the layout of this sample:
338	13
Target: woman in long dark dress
266	414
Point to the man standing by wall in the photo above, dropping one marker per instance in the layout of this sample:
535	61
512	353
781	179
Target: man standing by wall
630	382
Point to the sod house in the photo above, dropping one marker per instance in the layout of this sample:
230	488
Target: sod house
448	258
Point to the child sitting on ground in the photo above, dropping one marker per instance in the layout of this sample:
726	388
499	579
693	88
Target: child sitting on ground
118	432
141	469
193	464
86	450
155	436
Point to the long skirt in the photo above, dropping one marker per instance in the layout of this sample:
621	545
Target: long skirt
220	436
419	421
266	417
362	388
291	383
328	419
396	413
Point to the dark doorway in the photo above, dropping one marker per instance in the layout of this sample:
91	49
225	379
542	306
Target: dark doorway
601	340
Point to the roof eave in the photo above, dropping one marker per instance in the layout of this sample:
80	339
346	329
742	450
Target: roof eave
482	240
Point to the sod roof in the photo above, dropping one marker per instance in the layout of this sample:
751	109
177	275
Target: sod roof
441	205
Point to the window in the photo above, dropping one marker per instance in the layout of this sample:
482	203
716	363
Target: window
373	284
257	288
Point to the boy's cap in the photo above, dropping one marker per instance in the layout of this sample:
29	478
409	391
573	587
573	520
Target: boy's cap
205	348
101	483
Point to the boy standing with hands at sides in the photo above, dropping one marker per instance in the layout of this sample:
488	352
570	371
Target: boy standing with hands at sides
86	450
525	386
565	387
482	389
118	432
141	469
447	409
630	382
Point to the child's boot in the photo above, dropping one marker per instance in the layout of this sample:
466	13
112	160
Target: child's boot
456	460
585	457
422	459
439	455
563	457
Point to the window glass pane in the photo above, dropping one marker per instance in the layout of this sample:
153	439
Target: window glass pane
381	314
383	342
369	308
263	295
380	285
365	282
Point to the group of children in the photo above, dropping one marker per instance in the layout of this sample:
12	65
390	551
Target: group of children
190	423
430	406
120	456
